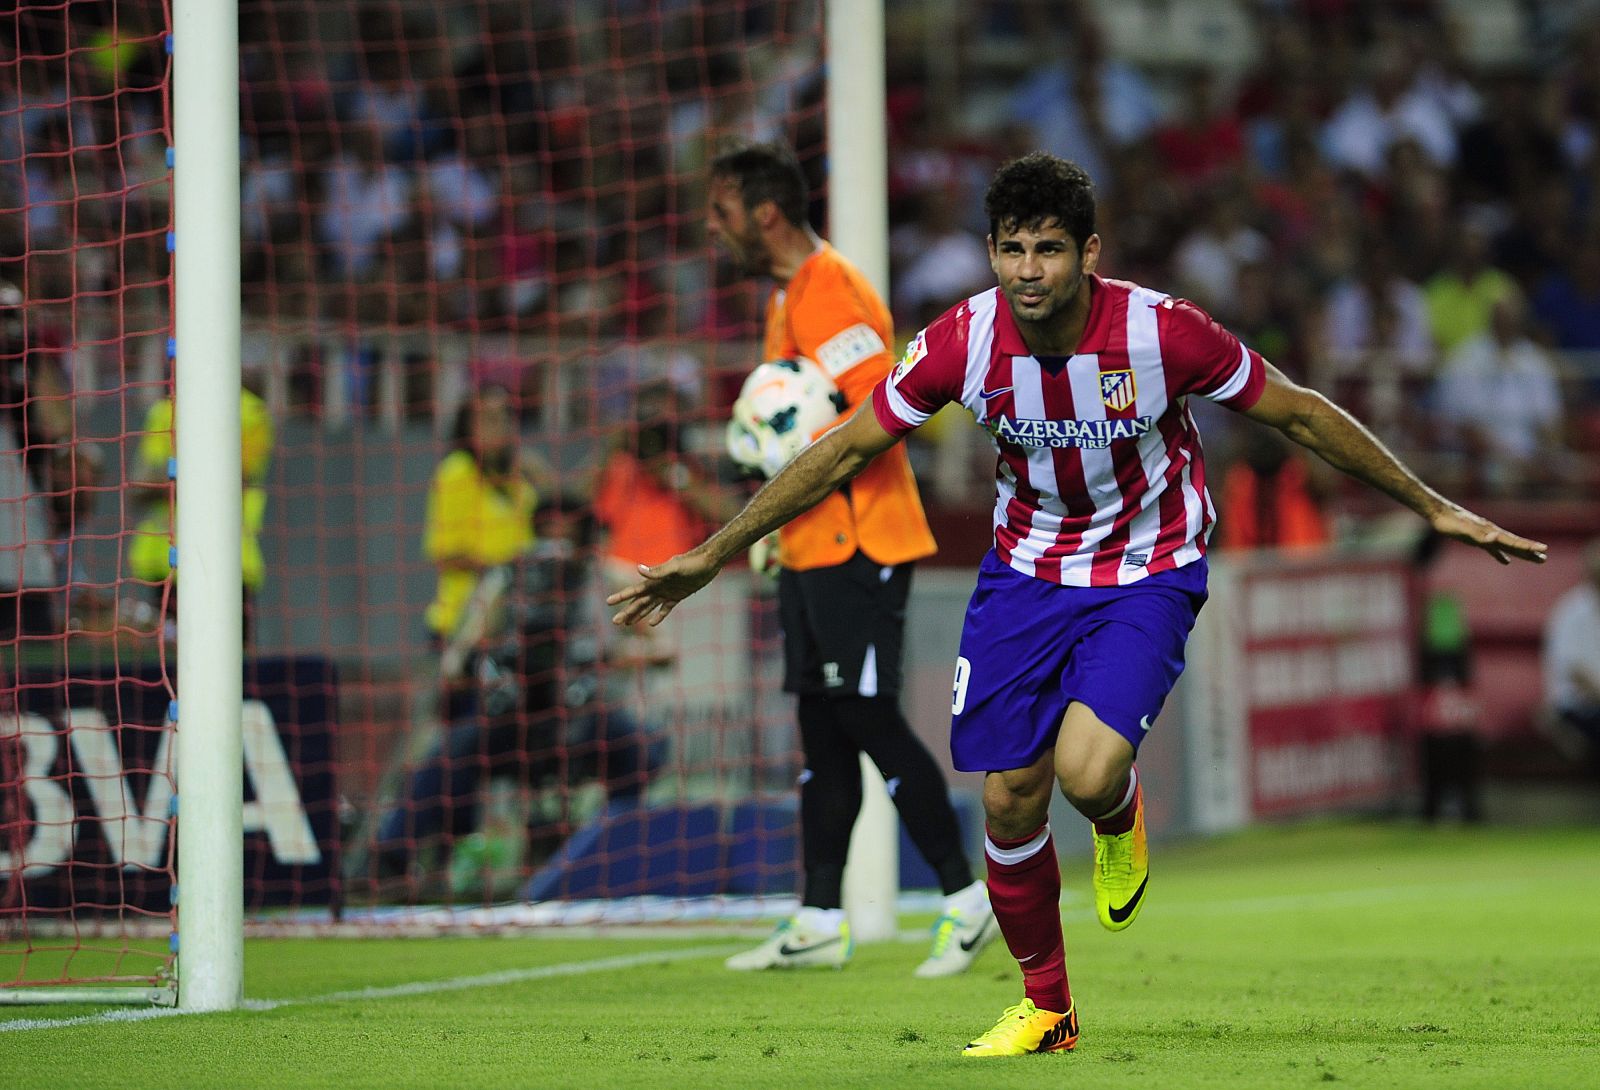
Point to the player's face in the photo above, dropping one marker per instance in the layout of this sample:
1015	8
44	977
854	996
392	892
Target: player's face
733	228
1040	269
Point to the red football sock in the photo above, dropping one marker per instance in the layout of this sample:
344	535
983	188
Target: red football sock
1119	819
1025	892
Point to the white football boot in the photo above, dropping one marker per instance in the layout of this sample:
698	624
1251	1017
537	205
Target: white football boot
798	944
960	935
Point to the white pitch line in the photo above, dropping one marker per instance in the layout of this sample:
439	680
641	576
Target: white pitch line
121	1014
1284	902
416	987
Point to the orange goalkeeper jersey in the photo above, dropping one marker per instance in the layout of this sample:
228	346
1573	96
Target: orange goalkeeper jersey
829	313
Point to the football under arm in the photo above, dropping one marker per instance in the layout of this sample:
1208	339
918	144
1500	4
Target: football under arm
816	472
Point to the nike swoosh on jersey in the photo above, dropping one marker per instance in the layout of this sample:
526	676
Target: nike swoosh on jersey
987	394
1120	914
1144	722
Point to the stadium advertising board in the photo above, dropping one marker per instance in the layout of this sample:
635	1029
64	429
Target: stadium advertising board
95	754
1326	665
1298	681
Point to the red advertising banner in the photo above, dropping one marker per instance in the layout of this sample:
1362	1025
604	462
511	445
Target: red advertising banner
1327	664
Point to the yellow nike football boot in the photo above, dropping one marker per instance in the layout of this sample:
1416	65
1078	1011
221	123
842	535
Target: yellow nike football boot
1025	1028
1121	871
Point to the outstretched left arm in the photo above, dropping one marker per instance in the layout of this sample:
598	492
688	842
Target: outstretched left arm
1319	425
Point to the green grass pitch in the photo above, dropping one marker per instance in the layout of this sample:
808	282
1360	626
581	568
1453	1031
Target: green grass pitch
1356	955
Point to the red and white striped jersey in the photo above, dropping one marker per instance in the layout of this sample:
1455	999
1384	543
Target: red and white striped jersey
1100	479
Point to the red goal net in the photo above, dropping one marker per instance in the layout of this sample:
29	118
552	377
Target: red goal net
85	754
487	354
497	350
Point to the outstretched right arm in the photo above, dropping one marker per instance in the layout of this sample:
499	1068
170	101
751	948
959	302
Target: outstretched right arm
805	482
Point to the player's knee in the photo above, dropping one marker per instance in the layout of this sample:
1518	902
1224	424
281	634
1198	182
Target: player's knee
1092	760
1091	779
1014	809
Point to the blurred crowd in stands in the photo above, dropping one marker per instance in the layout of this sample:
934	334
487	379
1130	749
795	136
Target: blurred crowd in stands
1415	235
1412	230
516	190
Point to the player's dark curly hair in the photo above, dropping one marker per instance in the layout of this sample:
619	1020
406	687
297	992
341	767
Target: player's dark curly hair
1037	189
765	172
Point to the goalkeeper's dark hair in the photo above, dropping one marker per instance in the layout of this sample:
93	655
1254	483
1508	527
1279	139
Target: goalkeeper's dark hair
1037	190
766	172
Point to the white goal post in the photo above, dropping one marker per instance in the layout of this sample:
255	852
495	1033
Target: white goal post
205	108
205	241
858	208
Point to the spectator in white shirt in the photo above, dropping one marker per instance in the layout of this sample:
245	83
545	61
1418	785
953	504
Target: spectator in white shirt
1208	260
1352	328
1500	398
1572	660
1393	106
1081	102
937	260
365	201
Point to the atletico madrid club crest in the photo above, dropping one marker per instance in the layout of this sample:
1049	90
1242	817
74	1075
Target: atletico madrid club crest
1117	389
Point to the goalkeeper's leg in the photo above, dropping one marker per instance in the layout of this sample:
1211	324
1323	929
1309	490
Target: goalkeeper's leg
967	924
830	797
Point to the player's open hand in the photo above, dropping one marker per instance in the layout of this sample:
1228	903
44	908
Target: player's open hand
661	588
1463	525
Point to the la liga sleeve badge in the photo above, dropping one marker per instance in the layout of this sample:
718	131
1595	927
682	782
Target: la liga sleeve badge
915	351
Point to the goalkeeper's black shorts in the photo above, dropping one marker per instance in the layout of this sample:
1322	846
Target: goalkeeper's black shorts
844	628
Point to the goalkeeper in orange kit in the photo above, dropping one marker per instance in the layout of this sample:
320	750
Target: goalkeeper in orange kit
845	578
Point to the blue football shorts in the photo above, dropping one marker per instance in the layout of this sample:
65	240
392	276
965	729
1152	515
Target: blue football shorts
1029	648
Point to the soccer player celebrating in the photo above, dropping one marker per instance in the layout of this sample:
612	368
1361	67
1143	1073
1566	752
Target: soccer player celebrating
1076	631
844	582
